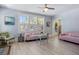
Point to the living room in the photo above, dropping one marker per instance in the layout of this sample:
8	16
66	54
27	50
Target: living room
35	29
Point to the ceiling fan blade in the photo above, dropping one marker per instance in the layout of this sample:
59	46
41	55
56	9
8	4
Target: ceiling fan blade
51	8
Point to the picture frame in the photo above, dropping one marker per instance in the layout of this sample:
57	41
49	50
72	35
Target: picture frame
9	20
48	24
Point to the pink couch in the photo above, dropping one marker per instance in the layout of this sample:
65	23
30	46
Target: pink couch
34	35
70	36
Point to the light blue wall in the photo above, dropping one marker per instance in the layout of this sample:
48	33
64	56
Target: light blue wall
13	29
70	21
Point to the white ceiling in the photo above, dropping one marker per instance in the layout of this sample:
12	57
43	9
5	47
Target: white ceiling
34	8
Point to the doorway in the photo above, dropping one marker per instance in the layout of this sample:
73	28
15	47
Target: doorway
57	27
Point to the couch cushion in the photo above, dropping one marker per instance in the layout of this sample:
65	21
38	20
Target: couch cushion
75	34
63	34
6	34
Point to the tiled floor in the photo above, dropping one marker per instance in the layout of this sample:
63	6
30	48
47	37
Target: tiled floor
51	47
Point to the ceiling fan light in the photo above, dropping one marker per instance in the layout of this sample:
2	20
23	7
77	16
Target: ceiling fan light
45	9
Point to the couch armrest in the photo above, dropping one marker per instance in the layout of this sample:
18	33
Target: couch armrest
9	38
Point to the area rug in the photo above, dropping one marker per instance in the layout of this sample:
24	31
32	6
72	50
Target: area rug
4	50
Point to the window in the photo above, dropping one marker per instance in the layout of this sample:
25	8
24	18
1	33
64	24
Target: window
34	20
40	20
31	22
23	20
37	20
36	23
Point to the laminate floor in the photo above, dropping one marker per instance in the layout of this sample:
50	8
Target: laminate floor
45	47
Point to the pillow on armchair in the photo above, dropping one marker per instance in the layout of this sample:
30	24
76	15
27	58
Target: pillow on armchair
5	34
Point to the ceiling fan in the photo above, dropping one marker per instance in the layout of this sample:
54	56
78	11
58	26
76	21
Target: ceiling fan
46	8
